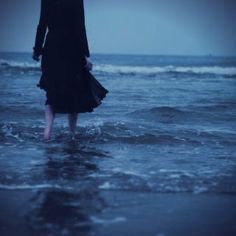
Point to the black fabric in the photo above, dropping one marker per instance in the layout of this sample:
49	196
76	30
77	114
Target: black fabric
69	86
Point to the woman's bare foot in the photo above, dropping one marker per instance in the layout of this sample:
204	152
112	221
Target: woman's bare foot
72	120
49	117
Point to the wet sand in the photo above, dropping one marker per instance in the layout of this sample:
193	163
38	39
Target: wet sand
123	213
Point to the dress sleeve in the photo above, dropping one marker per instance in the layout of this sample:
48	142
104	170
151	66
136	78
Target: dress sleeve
41	29
80	29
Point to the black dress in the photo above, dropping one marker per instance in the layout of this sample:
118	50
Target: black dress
69	86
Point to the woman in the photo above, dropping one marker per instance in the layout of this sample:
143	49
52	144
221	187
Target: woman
66	78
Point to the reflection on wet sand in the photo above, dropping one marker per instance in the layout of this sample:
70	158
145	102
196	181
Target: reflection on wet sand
67	210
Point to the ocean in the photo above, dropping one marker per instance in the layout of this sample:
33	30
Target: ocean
167	126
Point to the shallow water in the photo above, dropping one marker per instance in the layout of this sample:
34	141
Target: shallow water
166	126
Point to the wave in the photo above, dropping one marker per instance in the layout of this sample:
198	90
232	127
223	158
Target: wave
140	186
185	113
115	132
20	66
130	70
170	180
33	187
161	114
146	70
105	133
161	188
168	184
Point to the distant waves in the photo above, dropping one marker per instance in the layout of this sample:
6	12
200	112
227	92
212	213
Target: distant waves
26	67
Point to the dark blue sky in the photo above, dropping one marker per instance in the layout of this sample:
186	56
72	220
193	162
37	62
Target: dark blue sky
196	27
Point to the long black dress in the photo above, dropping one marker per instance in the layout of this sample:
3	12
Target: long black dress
69	86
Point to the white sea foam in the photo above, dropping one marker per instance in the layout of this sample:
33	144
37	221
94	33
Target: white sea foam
11	63
37	186
108	221
106	185
128	172
199	189
146	70
164	69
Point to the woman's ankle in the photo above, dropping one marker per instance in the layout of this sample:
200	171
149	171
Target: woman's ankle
47	133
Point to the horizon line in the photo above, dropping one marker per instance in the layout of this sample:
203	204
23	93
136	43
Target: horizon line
141	54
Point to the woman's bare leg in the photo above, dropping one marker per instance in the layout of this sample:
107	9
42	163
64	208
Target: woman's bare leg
72	120
49	117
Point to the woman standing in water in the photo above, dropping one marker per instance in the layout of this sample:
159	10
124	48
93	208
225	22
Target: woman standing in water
70	87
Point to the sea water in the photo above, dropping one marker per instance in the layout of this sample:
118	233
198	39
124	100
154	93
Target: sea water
167	125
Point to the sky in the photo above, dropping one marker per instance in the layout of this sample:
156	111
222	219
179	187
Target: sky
155	27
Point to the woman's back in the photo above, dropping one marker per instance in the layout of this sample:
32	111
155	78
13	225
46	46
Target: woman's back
65	22
61	15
